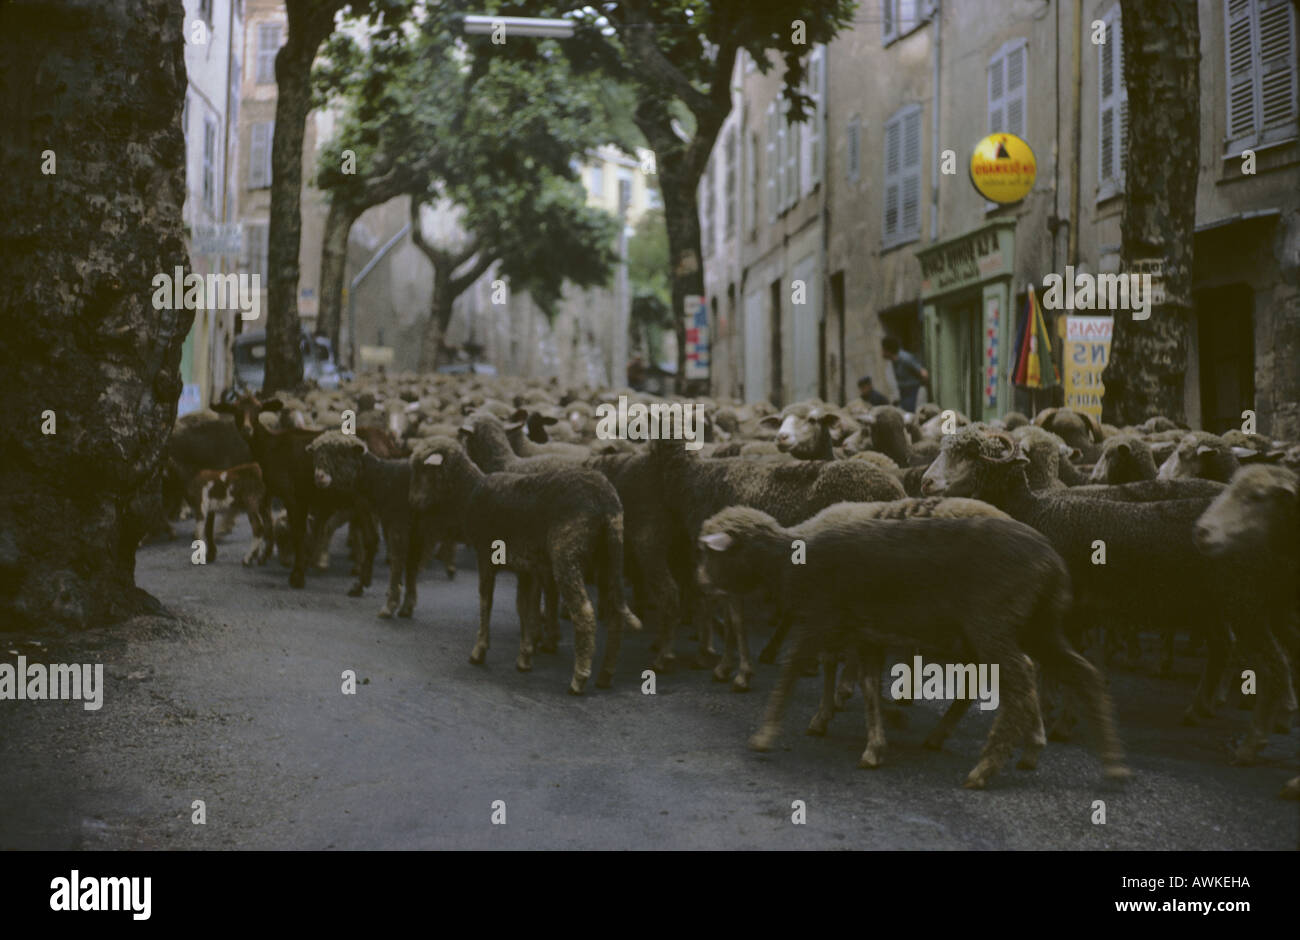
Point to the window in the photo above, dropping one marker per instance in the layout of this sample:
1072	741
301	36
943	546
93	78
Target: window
209	164
235	77
1112	109
205	12
810	154
268	44
1261	66
902	221
255	239
898	18
770	161
729	182
1008	83
624	190
793	132
598	181
259	154
853	143
652	199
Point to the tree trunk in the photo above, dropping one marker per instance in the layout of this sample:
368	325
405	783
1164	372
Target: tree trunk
439	316
333	273
1148	358
683	221
85	354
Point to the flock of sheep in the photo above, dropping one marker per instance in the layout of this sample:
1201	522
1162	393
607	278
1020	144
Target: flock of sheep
860	530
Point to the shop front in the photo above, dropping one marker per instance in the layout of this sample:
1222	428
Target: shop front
966	294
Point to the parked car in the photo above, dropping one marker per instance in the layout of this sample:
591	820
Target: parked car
319	364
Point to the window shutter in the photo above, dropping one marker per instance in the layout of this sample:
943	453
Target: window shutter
1241	69
259	147
997	94
1016	89
781	159
906	15
1121	91
893	165
910	222
792	135
812	130
887	31
268	44
1106	106
854	144
1276	64
771	162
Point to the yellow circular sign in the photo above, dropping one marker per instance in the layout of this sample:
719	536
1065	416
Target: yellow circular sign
1003	168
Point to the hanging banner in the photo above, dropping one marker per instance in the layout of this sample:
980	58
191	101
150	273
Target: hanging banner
1003	168
697	337
1087	350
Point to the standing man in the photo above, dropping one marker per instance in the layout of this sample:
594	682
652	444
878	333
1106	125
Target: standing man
908	372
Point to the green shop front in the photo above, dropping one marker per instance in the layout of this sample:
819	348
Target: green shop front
969	324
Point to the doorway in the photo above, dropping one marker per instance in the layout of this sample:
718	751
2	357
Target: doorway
1226	338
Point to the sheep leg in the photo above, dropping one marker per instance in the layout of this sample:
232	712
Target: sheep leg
551	638
825	708
257	548
1014	715
526	606
297	536
848	679
736	624
1218	646
1260	648
398	545
320	545
951	717
487	577
574	594
1036	739
414	549
447	555
765	737
669	604
872	661
722	671
769	652
1167	657
369	547
208	540
1081	677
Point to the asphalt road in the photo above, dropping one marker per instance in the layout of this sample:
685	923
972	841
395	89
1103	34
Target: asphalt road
238	703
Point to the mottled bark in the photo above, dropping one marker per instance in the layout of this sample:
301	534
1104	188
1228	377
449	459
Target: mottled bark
101	84
333	270
310	22
1148	358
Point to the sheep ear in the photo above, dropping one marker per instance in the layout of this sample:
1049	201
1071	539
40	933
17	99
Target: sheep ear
829	420
514	426
433	460
273	405
770	421
1045	416
1205	449
1238	452
550	420
716	541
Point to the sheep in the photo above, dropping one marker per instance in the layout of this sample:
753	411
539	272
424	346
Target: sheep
344	466
695	489
1004	593
889	434
805	432
1153	573
1077	428
556	524
1125	458
1200	454
1043	448
515	433
1257	519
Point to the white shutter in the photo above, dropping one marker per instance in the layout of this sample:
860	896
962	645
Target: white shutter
819	114
888	28
893	166
997	95
781	160
1121	89
1239	49
906	15
1017	86
854	146
792	135
1112	108
810	133
770	161
1276	63
910	215
259	154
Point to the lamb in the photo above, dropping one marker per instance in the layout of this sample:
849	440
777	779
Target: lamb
202	440
695	489
1153	573
1200	454
521	445
344	466
1004	594
1256	519
286	468
556	523
211	491
1125	458
805	432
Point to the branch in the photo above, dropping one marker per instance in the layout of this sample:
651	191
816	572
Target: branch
460	284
